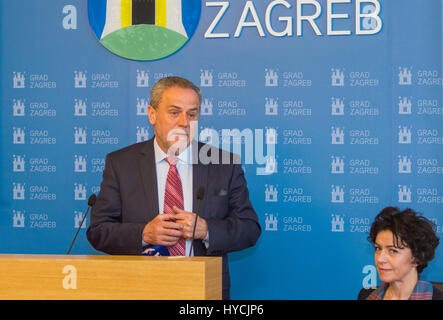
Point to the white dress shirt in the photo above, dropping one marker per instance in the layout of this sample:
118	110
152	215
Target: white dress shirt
184	168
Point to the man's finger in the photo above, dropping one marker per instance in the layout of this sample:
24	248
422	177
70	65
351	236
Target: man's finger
177	210
172	232
168	240
166	217
172	225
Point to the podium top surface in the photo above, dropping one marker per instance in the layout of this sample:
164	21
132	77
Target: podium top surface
105	257
51	276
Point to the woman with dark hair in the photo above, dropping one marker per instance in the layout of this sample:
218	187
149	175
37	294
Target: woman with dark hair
404	244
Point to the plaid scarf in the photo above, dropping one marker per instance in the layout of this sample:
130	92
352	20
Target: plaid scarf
423	291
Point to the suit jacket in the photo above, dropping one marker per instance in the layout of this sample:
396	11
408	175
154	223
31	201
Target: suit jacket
364	293
128	200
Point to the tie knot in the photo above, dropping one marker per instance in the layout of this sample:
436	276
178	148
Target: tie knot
172	160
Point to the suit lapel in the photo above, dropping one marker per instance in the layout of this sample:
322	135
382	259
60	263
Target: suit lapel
149	178
199	179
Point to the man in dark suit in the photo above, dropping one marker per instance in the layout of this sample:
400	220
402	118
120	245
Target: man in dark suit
130	210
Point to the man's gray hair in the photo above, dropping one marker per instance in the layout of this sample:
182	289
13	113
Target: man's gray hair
169	82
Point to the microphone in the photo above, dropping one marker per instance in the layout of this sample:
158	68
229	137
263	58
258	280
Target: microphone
158	250
200	195
91	202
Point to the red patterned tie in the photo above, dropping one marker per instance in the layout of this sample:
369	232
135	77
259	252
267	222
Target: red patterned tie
174	197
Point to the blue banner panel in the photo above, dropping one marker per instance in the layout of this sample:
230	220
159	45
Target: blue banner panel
335	108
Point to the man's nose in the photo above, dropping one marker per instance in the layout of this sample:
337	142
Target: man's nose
183	120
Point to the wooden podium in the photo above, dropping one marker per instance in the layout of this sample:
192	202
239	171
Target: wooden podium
62	277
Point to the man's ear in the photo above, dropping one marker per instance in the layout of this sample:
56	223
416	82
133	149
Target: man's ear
152	115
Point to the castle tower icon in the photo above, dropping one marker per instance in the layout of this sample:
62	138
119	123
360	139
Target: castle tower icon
270	166
79	135
337	223
79	191
404	105
337	136
271	78
206	107
271	106
404	135
142	79
337	78
404	194
79	163
271	136
78	217
404	76
404	164
18	136
18	80
205	78
18	108
208	135
271	222
271	193
337	194
18	191
79	108
142	107
142	134
18	164
337	107
337	165
18	219
79	79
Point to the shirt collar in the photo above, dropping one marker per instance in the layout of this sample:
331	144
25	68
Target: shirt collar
185	157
